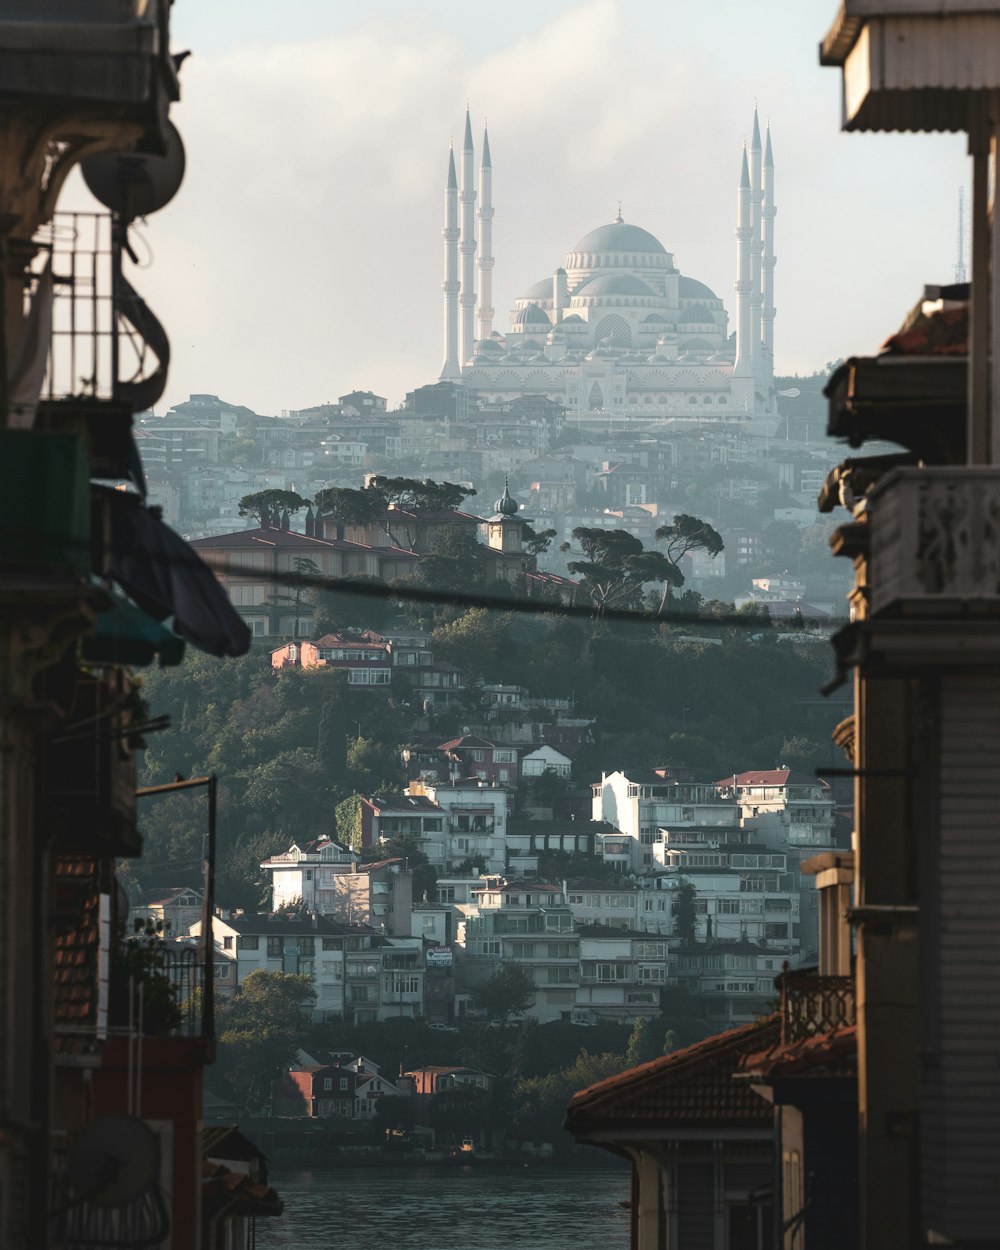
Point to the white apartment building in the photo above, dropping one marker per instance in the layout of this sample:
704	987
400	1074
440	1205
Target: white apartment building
527	923
475	822
640	803
328	878
791	812
357	974
621	974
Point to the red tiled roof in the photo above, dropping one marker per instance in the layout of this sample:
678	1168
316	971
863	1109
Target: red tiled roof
690	1086
826	1054
770	777
273	538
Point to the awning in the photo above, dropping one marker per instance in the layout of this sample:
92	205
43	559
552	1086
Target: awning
126	635
165	577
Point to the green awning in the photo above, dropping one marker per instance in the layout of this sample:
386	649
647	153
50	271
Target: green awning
126	635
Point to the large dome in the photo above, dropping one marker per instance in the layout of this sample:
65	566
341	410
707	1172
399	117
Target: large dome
614	284
620	236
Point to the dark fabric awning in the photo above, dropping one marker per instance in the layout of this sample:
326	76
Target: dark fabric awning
165	577
126	635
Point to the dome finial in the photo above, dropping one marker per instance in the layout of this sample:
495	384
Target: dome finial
619	219
507	505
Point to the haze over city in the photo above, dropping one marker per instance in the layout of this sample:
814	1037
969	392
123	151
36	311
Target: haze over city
317	142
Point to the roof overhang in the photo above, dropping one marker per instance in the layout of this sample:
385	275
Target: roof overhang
915	65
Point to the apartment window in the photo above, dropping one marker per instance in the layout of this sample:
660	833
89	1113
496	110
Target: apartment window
327	1083
331	944
306	967
344	1082
490	948
359	993
275	947
728	907
227	943
561	976
307	946
248	943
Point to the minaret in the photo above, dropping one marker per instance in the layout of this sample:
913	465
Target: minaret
756	250
450	370
467	299
485	241
743	366
769	259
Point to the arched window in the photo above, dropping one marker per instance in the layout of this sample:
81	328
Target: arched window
692	399
614	326
707	399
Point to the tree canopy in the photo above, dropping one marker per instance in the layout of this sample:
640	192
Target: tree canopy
616	567
268	507
507	993
376	502
685	534
259	1030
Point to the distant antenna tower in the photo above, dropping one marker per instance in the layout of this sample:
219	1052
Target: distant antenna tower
961	274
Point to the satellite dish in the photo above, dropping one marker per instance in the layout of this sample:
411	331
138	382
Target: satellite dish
113	1160
135	184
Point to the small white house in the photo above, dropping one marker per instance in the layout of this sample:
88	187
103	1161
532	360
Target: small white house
546	759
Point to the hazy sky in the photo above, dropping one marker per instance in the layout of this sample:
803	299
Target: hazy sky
302	257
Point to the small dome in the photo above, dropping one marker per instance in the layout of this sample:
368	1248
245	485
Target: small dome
655	319
506	505
696	316
688	288
620	236
487	347
614	284
531	314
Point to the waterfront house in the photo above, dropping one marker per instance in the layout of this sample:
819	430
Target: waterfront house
700	1142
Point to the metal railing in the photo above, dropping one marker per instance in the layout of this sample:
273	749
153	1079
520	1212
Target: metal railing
812	1004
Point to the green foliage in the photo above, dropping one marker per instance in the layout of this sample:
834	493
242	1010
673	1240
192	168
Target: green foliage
540	1102
455	561
478	643
138	969
685	534
507	993
642	1044
685	916
338	609
616	568
259	1030
348	822
385	500
267	506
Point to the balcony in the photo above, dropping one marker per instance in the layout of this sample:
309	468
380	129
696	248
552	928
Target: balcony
935	541
812	1004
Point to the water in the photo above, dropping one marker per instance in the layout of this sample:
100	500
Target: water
441	1208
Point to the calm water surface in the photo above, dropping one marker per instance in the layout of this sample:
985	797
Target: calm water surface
432	1208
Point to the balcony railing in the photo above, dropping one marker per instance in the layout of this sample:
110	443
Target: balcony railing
812	1004
934	539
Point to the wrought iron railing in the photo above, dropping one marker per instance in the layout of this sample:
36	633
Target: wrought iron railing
812	1004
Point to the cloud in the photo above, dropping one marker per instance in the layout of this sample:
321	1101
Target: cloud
302	257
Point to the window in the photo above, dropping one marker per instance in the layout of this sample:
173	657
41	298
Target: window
728	907
561	976
344	1082
307	946
249	943
227	943
331	944
275	947
327	1083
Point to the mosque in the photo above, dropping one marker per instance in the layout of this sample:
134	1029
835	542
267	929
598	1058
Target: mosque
617	329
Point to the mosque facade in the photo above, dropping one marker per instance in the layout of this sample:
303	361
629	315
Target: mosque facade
617	329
